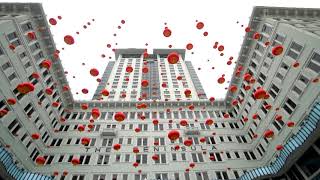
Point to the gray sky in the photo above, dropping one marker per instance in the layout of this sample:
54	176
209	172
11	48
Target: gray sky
144	23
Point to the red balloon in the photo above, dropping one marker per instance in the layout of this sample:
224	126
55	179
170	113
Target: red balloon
260	94
135	164
192	165
49	91
123	21
31	35
40	160
145	69
212	158
46	64
116	147
81	127
173	135
268	133
200	25
187	92
211	99
189	46
84	91
203	139
144	83
221	80
85	140
119	116
247	29
105	92
94	72
55	104
167	32
35	136
95	113
256	35
279	147
221	48
52	21
68	39
277	50
129	69
137	130
209	122
11	101
25	87
173	58
84	106
205	33
187	142
183	122
155	157
155	121
290	123
75	161
135	150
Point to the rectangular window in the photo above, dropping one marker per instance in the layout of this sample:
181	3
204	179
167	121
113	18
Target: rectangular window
314	63
289	106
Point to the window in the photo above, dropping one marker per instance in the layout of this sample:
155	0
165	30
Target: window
314	63
202	176
142	141
5	66
162	159
296	90
274	90
294	50
197	157
12	36
289	106
142	158
160	141
103	159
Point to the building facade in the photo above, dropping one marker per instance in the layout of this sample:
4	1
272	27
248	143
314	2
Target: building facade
251	139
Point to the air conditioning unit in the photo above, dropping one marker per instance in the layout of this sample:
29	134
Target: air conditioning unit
108	132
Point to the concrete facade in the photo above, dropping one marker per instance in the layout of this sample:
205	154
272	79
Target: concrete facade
238	145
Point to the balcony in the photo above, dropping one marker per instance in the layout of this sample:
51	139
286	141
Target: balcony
192	131
108	133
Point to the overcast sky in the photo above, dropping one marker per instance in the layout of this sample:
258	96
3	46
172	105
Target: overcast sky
144	23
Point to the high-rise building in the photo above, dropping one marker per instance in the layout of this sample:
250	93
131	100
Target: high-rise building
267	127
167	81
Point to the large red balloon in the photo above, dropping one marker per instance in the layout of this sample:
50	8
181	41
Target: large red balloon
173	58
189	46
116	147
119	116
68	39
85	140
25	87
40	160
144	83
167	32
94	72
200	25
187	142
52	21
75	161
277	50
173	135
105	92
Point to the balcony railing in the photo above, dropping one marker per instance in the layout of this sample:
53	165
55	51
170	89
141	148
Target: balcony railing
108	132
310	124
192	131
